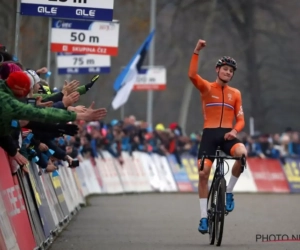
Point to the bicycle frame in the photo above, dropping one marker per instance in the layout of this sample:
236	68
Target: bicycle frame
219	173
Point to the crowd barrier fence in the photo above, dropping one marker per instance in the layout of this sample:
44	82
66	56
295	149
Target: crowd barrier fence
35	208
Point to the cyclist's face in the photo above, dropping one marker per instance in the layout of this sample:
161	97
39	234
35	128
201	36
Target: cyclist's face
225	72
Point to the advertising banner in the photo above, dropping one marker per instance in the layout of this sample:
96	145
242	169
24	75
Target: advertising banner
291	169
182	180
77	9
268	175
85	37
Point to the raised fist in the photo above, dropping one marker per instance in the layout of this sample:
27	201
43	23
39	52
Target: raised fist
200	45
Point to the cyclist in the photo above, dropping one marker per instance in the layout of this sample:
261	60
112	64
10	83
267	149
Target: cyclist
220	105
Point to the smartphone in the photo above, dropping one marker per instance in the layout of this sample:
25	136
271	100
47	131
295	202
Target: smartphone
31	101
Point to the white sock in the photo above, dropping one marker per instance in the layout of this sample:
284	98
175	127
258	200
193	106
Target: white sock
203	207
231	184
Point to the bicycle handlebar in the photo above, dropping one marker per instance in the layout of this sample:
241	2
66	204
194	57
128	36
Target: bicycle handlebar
204	156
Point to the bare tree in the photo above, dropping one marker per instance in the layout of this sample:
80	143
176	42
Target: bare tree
257	30
242	14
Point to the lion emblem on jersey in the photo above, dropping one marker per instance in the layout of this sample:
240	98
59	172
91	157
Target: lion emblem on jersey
240	111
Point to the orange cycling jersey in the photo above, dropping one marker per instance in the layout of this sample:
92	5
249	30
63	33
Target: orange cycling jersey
220	104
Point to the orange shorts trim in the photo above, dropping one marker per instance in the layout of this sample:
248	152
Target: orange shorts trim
207	162
234	147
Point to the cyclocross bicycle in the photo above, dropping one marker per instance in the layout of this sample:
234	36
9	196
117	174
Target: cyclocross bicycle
216	206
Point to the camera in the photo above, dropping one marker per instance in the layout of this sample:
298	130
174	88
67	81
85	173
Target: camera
75	163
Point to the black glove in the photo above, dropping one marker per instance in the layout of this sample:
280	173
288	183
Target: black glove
89	85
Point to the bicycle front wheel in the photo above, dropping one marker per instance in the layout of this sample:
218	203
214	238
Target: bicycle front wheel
220	211
211	208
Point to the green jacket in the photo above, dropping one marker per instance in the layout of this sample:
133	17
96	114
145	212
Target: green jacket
12	109
52	97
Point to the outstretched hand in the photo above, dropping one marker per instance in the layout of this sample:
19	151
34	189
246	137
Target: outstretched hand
43	104
92	114
70	87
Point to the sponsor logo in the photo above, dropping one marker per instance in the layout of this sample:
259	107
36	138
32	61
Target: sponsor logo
63	25
47	10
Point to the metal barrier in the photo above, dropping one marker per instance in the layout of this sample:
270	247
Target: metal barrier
35	208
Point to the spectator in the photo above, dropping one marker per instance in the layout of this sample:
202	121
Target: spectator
252	146
294	145
276	139
264	147
195	142
288	131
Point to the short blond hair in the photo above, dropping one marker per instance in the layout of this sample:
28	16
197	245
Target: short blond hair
43	82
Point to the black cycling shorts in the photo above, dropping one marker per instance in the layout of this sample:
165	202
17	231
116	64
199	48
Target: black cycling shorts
212	138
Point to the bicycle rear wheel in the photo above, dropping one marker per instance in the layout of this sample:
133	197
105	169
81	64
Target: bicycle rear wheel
211	215
220	211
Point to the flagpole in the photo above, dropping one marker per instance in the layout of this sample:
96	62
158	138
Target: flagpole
151	62
17	30
48	65
122	109
122	112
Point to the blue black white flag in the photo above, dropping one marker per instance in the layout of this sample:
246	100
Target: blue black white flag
126	80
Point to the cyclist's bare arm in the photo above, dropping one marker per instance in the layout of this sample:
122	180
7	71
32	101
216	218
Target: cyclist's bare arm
239	114
197	80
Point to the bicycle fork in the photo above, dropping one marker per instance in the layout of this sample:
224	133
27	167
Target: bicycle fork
214	210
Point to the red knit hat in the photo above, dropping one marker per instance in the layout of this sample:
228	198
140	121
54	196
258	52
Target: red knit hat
19	83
